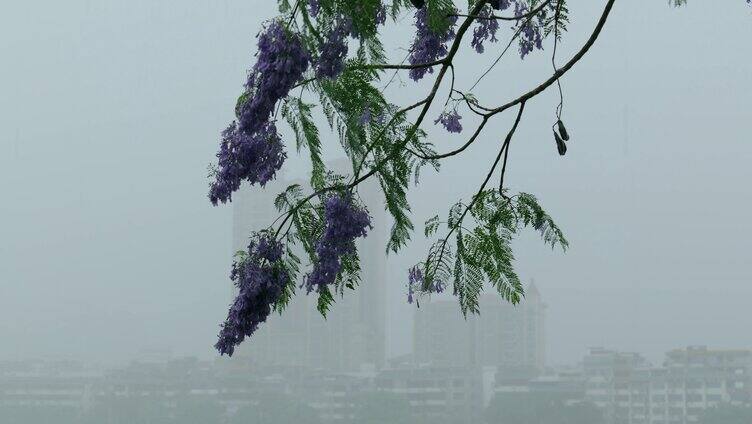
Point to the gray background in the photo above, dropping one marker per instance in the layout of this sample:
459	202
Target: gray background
110	112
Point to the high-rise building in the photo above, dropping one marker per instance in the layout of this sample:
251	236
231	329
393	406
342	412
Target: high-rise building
353	333
510	337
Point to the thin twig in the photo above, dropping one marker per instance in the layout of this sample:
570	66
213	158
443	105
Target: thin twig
475	198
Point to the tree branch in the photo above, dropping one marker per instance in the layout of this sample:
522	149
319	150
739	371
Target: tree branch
469	206
563	70
410	133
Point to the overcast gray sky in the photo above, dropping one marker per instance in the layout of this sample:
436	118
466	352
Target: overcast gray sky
110	112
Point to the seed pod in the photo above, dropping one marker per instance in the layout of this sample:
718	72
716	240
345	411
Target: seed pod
562	130
560	145
496	4
418	3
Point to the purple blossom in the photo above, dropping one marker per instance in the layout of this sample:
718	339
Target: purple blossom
381	14
260	278
530	33
331	62
281	62
254	158
450	121
416	283
344	222
428	45
486	29
252	150
313	7
414	278
366	116
501	4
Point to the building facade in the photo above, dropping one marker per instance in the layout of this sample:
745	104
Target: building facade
510	337
691	380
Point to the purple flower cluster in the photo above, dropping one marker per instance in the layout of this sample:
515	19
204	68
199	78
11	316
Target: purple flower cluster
450	121
381	14
313	7
416	281
530	34
282	60
428	45
254	158
486	29
331	61
501	4
260	279
252	149
345	221
367	117
414	278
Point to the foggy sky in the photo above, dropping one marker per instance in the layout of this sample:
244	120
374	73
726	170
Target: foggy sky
110	113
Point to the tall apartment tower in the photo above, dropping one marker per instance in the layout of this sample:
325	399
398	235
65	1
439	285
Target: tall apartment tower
510	337
353	334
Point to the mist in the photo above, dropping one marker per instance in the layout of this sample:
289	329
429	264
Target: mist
111	252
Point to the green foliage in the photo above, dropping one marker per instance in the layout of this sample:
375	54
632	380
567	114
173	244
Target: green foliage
437	14
432	225
552	23
298	115
291	264
361	12
345	101
381	143
397	6
306	222
532	214
325	301
482	249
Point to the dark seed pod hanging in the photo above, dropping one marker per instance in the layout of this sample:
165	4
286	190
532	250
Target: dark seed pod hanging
562	130
418	3
560	145
496	4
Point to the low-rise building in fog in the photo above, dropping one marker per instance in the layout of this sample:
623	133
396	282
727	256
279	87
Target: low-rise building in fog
436	394
631	391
